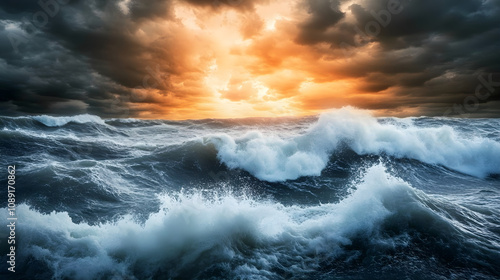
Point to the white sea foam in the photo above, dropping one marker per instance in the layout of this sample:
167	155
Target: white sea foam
190	232
272	158
60	121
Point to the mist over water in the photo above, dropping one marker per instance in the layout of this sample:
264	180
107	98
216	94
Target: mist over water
340	196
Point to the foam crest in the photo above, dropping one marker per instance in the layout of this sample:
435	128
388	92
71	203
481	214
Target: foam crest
60	121
192	231
272	158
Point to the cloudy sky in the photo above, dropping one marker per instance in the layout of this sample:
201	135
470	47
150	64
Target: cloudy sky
182	59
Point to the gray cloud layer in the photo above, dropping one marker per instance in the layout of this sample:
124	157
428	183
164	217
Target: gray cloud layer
433	51
84	58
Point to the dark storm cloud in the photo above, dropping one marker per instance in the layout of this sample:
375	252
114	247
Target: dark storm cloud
19	6
77	55
421	44
323	15
86	51
149	9
86	56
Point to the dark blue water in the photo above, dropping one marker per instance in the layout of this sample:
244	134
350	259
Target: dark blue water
340	196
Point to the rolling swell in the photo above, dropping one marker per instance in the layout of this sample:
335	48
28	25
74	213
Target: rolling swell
384	222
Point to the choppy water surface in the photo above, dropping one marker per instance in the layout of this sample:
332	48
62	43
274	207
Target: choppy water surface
340	196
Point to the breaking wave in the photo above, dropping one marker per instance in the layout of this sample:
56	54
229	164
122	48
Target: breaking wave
273	158
195	235
60	121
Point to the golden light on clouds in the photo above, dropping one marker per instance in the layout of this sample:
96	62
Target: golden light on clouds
180	59
242	64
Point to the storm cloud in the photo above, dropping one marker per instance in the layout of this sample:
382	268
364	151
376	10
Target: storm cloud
166	58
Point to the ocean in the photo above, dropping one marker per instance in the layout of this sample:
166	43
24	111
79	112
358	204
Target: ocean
341	195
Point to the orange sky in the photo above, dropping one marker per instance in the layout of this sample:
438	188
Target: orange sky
191	59
231	63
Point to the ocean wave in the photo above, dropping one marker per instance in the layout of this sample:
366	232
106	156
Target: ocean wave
193	236
61	121
272	158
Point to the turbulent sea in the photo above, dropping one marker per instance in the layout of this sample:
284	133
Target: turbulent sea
343	195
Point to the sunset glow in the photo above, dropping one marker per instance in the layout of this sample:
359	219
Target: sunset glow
245	63
250	139
246	58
